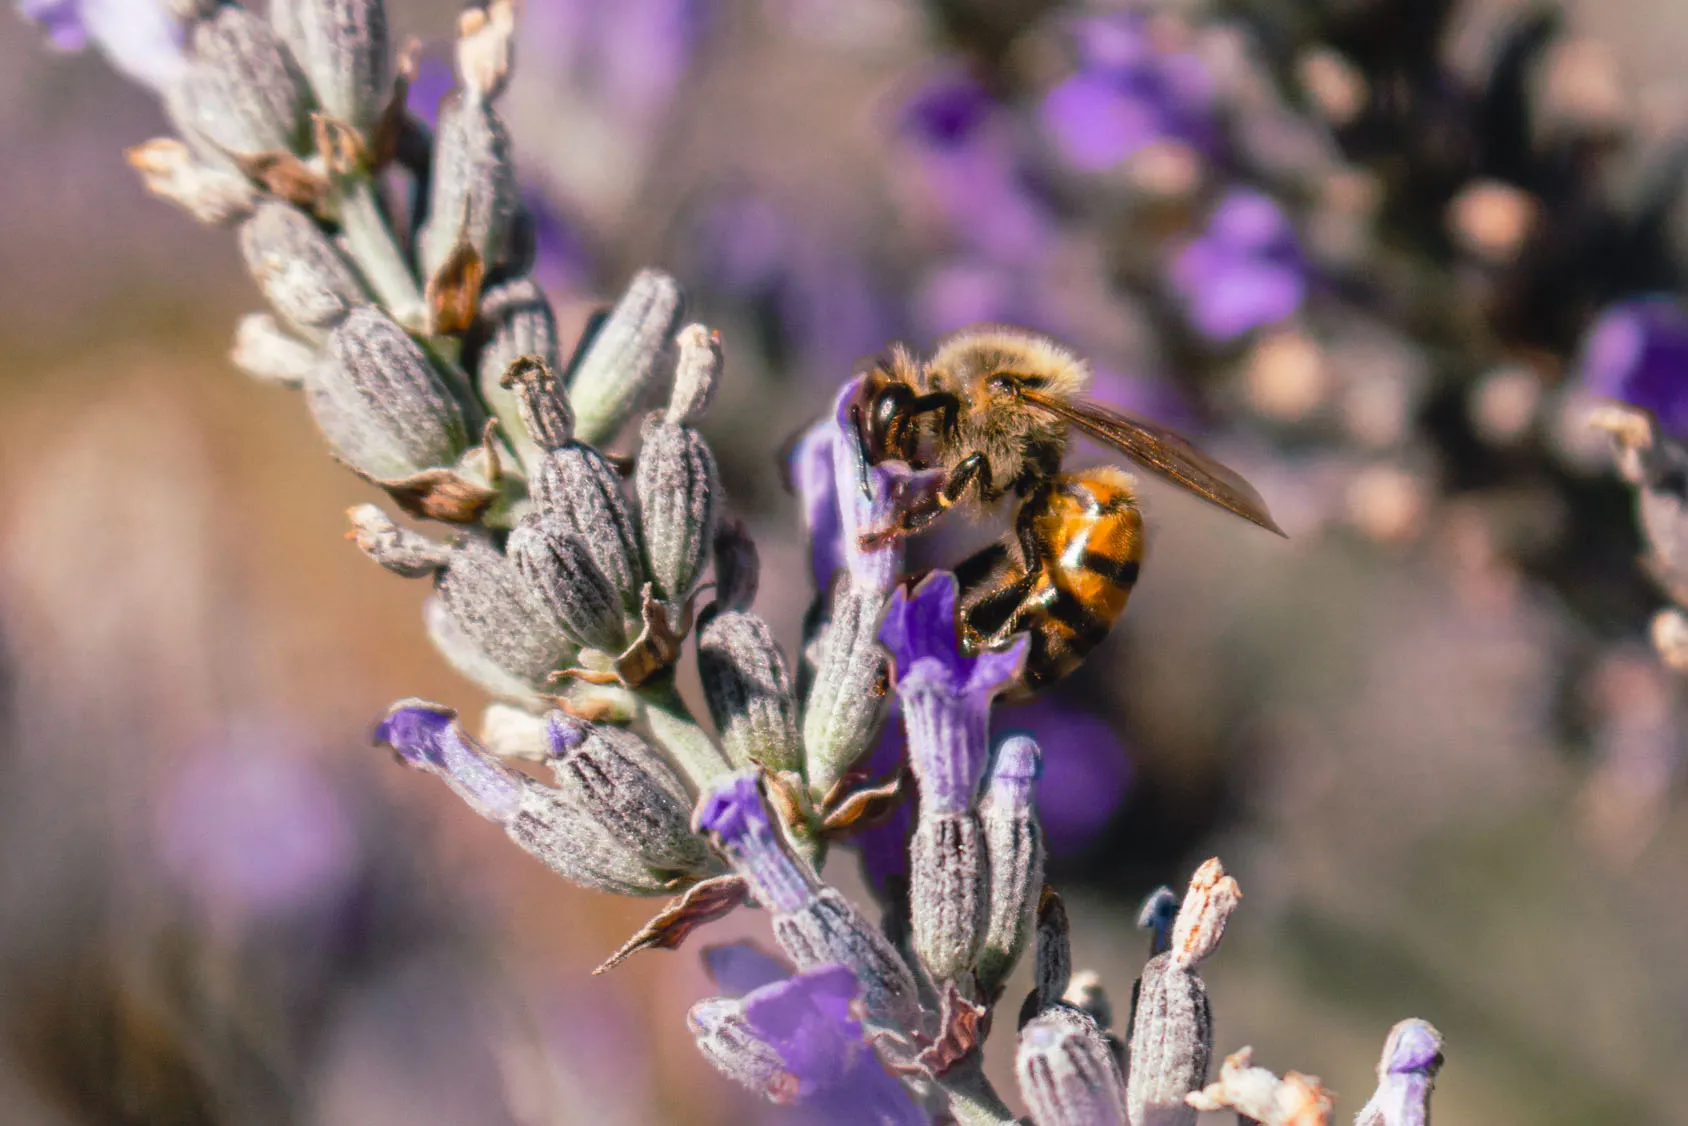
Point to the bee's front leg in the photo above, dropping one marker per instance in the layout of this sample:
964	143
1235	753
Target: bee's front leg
972	469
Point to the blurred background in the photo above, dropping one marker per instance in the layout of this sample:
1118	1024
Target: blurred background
1365	250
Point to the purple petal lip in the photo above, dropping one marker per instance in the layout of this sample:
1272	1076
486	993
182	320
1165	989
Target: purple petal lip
734	809
807	1020
413	730
921	631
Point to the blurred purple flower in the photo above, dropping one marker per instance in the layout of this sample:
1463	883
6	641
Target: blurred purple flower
434	80
631	55
798	1040
969	291
1127	94
945	694
968	164
824	302
257	831
1637	352
1243	272
1086	770
139	37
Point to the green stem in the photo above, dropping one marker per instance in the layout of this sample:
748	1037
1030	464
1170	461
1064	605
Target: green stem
672	724
376	253
973	1101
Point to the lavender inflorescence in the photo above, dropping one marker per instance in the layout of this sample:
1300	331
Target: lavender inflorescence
430	360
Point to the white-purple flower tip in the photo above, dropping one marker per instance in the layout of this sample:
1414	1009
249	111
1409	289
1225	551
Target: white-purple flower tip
946	693
141	38
738	817
429	738
1413	1046
1017	764
734	810
1244	271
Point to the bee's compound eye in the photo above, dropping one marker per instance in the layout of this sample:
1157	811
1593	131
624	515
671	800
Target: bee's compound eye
1004	383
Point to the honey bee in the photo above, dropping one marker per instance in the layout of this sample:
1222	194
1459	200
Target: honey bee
993	408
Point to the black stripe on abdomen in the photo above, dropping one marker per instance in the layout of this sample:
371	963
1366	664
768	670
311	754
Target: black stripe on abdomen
1122	572
1088	627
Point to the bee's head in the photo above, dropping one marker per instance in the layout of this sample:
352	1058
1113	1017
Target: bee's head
890	383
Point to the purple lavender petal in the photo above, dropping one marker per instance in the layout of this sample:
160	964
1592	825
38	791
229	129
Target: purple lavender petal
814	479
428	737
921	625
60	19
737	968
1637	352
806	1018
734	810
893	486
414	732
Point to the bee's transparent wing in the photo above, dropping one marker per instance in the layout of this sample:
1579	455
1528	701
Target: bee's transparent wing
1162	451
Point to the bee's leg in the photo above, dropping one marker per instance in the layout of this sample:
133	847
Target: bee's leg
971	469
1035	597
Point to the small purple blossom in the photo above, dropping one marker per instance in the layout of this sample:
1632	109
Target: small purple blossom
735	812
433	81
969	172
1637	352
429	738
1128	94
945	694
815	482
631	55
1245	271
1406	1075
141	38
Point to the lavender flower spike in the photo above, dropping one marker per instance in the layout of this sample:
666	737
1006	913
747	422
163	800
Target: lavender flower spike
1405	1077
946	698
814	924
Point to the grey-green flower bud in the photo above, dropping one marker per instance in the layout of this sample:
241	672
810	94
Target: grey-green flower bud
1067	1072
630	788
267	352
343	48
559	568
213	194
948	889
473	195
677	486
515	320
242	92
846	706
306	280
748	688
1014	848
619	364
1171	1034
380	402
493	607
